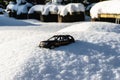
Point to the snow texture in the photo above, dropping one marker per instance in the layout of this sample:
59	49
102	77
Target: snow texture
110	7
19	7
10	5
58	9
20	1
57	1
95	54
23	8
94	27
72	7
53	8
38	8
46	9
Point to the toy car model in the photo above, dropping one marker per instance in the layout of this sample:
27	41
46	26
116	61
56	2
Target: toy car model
56	41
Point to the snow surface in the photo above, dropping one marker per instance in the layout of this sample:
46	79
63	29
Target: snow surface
110	7
36	8
58	9
23	8
19	8
94	27
20	1
56	1
70	8
53	8
45	9
95	54
10	5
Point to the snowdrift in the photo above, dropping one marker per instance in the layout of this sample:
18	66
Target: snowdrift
38	8
93	27
70	8
108	7
10	5
58	9
94	56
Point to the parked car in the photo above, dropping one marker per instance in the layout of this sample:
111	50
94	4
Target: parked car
56	41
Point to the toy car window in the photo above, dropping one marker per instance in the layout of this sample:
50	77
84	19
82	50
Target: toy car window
52	39
70	37
65	38
59	39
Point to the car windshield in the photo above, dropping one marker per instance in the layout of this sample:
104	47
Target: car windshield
52	39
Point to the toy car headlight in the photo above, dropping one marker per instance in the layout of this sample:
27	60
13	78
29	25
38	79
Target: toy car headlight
43	43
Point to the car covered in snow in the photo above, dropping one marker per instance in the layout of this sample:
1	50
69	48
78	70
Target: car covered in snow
56	41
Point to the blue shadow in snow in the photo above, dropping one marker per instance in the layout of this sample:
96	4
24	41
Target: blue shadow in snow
81	47
90	49
6	21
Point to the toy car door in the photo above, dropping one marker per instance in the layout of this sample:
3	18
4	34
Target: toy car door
64	40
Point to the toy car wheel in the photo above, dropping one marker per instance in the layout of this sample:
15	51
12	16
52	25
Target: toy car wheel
52	47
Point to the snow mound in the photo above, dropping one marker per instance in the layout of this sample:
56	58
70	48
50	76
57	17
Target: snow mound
57	1
50	8
19	8
58	9
10	5
36	8
93	26
20	1
45	9
23	8
112	6
94	55
72	7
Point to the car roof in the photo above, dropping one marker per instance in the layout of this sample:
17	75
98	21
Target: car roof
61	35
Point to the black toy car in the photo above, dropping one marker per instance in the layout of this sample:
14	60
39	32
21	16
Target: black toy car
56	41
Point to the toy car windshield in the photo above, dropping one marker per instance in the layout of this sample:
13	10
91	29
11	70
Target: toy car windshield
52	39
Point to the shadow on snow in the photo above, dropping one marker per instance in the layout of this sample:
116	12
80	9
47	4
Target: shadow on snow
81	47
6	21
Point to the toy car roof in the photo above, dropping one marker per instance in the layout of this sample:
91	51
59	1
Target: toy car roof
61	35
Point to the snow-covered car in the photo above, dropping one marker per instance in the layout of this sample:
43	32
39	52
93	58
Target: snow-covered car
56	41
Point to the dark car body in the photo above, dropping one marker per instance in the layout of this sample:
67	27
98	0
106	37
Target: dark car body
56	41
